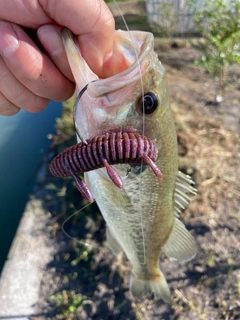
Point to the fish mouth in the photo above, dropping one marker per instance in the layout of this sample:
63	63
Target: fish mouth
111	99
124	146
139	52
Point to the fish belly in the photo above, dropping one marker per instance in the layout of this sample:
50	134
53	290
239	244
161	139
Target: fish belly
140	219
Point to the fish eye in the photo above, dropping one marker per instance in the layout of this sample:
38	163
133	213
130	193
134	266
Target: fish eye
148	103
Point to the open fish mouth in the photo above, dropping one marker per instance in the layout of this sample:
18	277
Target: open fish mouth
123	146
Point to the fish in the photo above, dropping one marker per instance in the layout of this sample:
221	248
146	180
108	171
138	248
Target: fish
142	218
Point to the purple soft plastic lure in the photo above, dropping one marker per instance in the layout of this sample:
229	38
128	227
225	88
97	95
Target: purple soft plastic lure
114	147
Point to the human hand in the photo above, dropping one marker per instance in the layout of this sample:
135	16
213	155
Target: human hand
30	78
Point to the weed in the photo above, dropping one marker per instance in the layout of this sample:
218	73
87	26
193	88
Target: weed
83	253
65	127
69	303
218	22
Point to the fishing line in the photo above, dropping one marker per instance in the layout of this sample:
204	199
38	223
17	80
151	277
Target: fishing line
143	125
76	239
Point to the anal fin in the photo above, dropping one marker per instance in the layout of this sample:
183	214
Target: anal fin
112	242
181	244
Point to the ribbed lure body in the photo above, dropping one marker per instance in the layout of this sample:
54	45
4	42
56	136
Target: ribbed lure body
118	147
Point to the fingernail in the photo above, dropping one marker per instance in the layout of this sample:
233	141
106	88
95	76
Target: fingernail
8	39
50	38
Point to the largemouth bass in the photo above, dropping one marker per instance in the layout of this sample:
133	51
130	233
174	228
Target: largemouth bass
142	218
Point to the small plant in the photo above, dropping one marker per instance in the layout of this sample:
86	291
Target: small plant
219	23
83	253
69	303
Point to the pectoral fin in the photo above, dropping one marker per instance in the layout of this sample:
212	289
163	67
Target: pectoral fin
180	245
112	242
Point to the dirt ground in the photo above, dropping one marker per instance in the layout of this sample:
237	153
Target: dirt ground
84	282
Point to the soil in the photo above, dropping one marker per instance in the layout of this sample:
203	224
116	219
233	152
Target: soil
88	282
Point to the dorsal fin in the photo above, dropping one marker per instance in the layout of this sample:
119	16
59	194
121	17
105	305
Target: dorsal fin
183	192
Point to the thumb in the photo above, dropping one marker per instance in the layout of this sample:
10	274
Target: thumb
93	24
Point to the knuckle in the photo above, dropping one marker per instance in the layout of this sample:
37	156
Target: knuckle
109	23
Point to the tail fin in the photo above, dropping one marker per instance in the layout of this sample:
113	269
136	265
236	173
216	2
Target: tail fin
158	286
